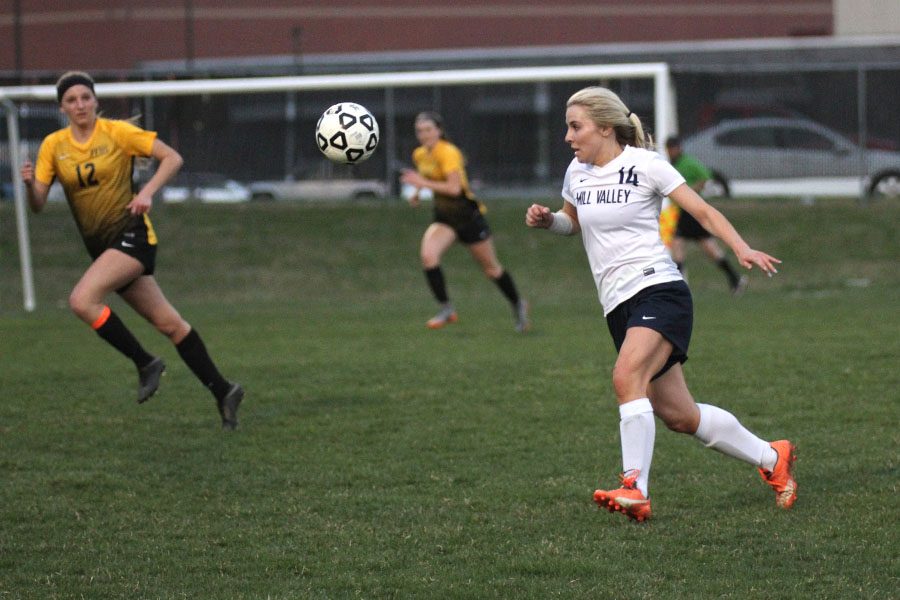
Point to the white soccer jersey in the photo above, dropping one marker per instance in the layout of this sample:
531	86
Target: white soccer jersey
618	208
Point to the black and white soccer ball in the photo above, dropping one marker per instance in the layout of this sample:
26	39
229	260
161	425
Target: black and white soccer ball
347	133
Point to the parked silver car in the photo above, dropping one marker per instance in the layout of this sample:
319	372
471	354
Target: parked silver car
791	156
326	181
204	187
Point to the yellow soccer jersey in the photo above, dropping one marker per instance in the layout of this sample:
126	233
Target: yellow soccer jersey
96	176
440	161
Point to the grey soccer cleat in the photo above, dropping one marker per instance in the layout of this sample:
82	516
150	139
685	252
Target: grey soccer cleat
148	379
522	322
740	287
228	406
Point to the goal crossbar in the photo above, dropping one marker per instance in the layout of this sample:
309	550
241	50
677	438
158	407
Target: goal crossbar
352	81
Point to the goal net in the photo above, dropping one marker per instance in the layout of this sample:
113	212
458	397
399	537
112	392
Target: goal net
259	132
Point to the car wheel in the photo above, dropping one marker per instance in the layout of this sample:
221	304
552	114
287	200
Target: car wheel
262	197
885	186
717	187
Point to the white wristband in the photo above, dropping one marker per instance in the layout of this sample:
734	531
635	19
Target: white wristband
561	224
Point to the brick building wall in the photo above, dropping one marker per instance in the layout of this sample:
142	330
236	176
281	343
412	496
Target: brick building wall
119	34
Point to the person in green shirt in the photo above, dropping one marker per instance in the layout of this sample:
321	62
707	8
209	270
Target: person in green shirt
696	175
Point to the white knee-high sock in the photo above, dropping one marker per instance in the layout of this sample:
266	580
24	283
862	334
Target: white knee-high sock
720	430
637	428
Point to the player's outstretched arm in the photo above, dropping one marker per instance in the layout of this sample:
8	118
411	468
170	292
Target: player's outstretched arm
716	223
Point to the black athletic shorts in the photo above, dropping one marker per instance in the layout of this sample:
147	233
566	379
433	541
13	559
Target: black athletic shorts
470	228
688	227
666	308
134	242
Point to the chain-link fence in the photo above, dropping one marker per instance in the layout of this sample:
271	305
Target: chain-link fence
818	130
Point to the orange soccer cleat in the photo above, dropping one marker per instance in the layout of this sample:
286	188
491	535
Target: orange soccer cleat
444	317
780	478
627	499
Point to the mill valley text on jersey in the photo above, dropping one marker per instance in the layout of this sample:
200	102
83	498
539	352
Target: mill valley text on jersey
614	196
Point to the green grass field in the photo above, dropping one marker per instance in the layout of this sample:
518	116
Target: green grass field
377	459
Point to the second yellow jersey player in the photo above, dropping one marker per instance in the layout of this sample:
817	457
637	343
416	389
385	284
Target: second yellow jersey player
458	216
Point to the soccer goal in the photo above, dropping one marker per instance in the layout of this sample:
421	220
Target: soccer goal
508	121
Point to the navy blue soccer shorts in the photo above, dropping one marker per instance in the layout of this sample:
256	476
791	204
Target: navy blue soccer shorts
666	308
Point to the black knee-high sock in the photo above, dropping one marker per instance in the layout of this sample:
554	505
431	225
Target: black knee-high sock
193	352
729	271
506	285
435	277
111	328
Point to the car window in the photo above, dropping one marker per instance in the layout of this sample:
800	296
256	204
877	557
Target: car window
326	170
752	137
796	138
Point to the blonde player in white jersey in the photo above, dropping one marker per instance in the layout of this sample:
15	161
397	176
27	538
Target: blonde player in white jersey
612	192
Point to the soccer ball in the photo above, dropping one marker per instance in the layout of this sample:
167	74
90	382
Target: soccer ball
347	133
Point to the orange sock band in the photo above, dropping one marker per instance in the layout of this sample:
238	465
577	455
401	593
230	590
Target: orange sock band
104	315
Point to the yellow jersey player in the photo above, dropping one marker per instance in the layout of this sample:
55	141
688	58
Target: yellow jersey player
458	216
93	160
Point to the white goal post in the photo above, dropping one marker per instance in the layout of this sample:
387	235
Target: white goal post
665	123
